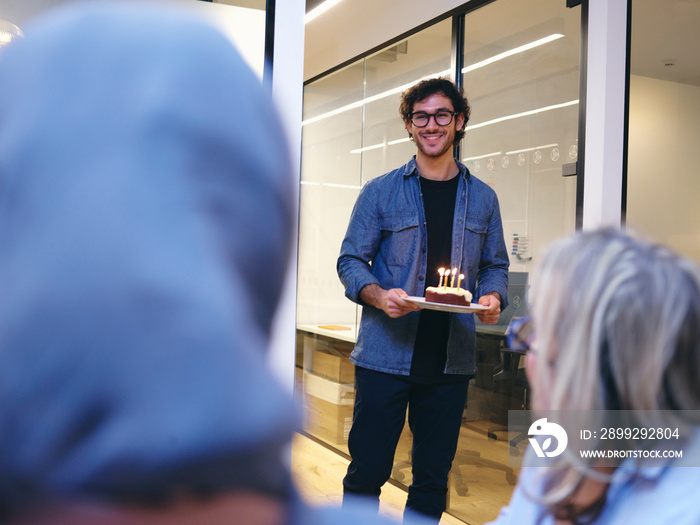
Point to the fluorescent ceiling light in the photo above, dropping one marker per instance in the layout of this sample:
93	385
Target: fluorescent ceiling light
400	89
530	149
322	8
523	114
482	156
380	145
368	148
514	51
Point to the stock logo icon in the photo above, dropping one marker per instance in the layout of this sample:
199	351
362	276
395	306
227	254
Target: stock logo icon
547	430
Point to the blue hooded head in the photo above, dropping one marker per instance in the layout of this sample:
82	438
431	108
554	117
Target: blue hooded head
145	227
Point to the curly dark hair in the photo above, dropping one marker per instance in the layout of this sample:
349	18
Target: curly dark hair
432	86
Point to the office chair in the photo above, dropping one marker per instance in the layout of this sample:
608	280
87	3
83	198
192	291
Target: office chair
513	379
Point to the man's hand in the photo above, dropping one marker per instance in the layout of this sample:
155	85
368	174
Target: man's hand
392	301
493	301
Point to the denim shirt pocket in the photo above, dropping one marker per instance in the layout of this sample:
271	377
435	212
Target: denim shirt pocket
475	229
400	237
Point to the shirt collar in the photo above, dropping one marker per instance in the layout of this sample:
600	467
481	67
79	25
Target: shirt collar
411	169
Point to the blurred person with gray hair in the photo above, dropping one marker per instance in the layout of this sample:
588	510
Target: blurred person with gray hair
614	337
145	231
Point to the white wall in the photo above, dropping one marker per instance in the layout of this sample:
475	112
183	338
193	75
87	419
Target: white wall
663	169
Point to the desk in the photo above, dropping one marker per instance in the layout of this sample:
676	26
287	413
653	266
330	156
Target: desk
347	333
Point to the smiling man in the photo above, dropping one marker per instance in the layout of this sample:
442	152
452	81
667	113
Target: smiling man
427	214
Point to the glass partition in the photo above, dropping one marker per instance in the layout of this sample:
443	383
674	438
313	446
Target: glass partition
521	75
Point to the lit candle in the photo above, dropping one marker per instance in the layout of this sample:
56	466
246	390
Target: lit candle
459	281
441	271
454	272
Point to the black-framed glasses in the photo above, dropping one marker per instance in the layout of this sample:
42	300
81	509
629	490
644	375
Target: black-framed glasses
443	117
521	333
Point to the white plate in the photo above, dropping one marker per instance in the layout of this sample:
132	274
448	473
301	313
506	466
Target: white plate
420	301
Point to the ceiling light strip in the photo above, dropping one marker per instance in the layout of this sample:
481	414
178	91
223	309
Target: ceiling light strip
523	114
530	149
368	148
482	156
398	141
514	51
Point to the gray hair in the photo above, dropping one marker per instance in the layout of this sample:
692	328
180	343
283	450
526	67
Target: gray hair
618	328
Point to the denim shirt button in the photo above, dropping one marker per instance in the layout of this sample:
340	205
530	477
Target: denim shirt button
420	277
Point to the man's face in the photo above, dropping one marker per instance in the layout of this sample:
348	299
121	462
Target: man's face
434	140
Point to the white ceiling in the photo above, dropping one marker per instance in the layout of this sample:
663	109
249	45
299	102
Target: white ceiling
666	40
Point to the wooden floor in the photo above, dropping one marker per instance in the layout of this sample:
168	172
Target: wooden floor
319	471
480	484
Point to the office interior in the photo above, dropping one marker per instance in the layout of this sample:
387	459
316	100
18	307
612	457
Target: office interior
584	113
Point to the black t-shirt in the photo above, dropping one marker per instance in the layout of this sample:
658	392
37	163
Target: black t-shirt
430	348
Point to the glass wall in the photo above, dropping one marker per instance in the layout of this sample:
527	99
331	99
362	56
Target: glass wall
521	75
663	185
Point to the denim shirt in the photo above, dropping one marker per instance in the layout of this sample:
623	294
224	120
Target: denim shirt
386	244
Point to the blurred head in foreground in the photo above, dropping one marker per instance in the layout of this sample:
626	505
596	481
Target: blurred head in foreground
145	227
617	324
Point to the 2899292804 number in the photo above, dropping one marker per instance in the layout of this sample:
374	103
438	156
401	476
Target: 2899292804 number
639	433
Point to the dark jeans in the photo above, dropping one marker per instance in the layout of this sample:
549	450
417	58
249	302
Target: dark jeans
434	417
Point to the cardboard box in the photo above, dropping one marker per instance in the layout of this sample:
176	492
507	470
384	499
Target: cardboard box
328	359
328	421
335	393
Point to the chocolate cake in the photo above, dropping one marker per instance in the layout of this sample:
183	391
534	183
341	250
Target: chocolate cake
447	295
